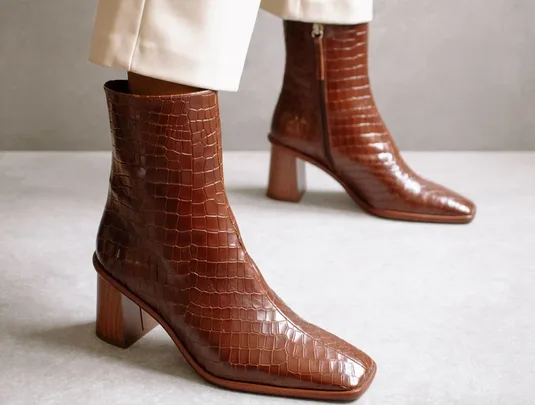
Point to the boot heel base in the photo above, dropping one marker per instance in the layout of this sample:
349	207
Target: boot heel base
120	322
287	181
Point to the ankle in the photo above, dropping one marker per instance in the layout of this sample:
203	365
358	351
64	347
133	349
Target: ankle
149	86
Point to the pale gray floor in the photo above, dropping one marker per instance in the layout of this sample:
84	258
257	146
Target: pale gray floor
446	311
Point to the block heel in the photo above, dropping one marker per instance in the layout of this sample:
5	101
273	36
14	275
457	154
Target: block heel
287	181
120	322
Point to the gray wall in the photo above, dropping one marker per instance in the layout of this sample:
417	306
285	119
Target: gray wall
450	74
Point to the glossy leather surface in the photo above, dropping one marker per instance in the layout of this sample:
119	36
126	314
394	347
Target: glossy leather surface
297	119
364	155
168	234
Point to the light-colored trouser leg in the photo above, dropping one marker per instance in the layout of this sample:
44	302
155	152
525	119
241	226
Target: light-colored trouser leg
201	43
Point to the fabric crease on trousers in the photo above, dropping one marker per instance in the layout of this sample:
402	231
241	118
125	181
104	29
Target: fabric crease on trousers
201	43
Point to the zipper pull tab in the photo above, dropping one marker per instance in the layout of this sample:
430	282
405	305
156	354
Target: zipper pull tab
317	35
317	30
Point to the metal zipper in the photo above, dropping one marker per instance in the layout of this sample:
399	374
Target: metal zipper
317	30
317	35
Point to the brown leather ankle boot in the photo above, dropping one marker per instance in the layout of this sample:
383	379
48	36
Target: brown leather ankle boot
326	115
169	251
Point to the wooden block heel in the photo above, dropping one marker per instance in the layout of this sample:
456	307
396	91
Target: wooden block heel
287	180
120	322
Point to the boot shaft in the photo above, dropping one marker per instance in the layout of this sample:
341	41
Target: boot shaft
297	119
164	147
326	89
344	53
166	188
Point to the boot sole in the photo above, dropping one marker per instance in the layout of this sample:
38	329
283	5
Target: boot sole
388	214
229	384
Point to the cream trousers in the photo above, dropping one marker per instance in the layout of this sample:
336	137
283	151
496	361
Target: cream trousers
201	43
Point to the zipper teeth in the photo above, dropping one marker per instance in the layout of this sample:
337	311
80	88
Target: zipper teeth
317	35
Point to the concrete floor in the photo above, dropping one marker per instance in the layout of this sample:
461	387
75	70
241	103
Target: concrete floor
448	312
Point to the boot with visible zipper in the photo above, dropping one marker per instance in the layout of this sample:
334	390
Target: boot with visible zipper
169	252
326	115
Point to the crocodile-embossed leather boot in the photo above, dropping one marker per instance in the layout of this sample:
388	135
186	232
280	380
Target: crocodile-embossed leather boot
326	115
169	251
